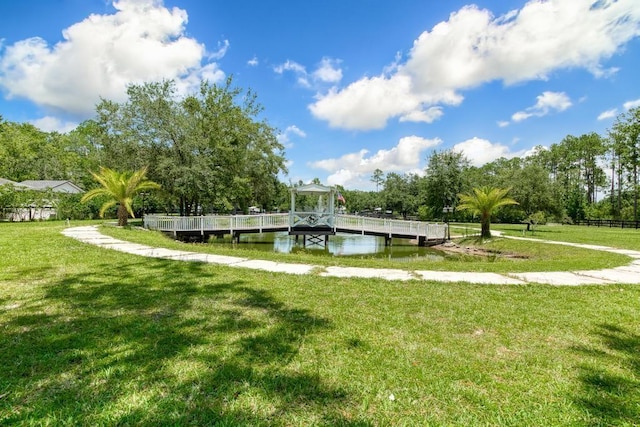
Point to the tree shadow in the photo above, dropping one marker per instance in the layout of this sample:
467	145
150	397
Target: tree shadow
154	342
610	391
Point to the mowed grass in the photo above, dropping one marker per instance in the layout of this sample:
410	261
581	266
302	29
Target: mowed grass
91	336
623	238
531	256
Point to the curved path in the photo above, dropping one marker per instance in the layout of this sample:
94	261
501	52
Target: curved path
625	274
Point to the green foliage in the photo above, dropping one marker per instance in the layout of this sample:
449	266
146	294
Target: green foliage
484	201
446	177
206	149
120	188
69	206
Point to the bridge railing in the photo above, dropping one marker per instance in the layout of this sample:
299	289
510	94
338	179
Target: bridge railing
283	221
391	226
215	222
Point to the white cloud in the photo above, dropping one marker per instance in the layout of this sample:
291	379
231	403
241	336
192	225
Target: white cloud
101	55
428	116
328	71
368	103
503	123
299	70
480	151
609	114
546	103
253	62
285	137
350	169
631	104
53	124
473	47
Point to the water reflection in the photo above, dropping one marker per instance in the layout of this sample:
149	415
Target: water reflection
344	245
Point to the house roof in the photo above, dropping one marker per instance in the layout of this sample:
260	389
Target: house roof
57	186
9	182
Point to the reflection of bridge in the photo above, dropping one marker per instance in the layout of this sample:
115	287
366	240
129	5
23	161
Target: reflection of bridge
296	223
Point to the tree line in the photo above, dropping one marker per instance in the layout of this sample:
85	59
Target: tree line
581	177
211	152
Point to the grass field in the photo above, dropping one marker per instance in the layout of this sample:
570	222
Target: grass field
97	337
535	256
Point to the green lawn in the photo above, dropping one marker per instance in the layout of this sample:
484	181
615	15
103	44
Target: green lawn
616	237
536	256
96	337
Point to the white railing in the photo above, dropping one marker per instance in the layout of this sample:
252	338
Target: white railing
215	222
391	226
286	221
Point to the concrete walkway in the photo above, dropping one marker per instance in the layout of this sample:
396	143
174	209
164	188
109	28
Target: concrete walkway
625	274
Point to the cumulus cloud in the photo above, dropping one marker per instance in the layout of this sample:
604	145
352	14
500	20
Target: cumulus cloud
101	55
253	62
546	103
473	47
285	137
53	124
299	70
327	71
609	114
631	104
480	151
427	116
350	169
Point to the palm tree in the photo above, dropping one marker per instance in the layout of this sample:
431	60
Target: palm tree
484	201
121	187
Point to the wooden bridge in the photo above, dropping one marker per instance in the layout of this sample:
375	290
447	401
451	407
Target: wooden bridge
296	223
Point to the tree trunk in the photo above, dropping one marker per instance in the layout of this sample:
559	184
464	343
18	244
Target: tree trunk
485	226
123	215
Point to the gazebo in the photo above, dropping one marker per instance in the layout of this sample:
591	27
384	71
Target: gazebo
314	216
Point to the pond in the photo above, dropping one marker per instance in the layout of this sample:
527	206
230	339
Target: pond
343	245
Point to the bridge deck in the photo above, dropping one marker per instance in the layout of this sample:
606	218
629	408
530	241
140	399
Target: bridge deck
205	226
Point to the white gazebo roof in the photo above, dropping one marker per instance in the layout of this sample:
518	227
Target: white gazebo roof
311	189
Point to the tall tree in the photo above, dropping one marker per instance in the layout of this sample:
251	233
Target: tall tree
626	134
484	202
121	188
205	149
445	178
377	178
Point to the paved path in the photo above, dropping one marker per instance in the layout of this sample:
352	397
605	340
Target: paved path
625	274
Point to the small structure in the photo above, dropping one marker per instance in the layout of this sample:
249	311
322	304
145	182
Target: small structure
42	207
56	186
312	215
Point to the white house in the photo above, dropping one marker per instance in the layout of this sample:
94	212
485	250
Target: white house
32	212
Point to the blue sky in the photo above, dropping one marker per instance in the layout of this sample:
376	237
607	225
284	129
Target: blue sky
351	85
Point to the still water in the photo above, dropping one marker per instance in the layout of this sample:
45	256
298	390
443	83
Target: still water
347	245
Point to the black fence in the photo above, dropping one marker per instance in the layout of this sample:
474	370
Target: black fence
608	223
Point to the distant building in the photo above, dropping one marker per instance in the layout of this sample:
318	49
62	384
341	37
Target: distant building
43	211
55	186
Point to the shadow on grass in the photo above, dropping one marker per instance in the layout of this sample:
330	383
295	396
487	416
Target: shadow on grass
155	342
610	387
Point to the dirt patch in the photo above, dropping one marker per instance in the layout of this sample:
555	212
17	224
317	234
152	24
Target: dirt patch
454	248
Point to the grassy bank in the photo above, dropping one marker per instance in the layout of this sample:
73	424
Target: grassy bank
96	337
531	256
